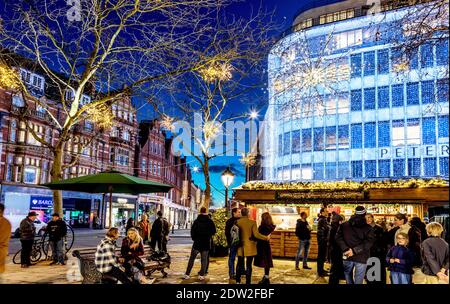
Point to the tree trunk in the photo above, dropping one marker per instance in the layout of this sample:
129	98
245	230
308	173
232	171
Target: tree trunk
56	175
207	183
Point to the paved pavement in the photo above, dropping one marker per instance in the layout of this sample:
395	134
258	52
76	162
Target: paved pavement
42	273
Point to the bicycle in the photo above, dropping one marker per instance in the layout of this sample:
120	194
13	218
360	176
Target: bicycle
43	246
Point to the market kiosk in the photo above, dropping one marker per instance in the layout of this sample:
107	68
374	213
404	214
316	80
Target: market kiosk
286	200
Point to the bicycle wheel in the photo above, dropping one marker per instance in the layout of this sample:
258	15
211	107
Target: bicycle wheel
36	254
16	258
69	239
45	245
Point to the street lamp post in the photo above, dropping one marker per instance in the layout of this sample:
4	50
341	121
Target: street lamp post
227	179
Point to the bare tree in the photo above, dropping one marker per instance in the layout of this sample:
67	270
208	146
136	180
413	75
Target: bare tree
217	93
117	49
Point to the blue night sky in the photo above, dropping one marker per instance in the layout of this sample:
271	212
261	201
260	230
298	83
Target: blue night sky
285	11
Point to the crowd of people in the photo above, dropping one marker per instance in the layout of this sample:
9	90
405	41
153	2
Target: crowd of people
352	247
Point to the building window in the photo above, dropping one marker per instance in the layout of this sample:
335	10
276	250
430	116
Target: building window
443	166
442	52
330	170
355	65
369	99
414	60
330	138
30	175
429	166
318	139
343	103
429	131
280	145
347	39
286	143
384	134
384	168
306	140
383	61
318	171
399	167
357	170
442	90
343	137
356	100
306	171
412	93
370	135
17	101
343	170
13	132
370	168
383	97
426	55
411	135
398	95
413	166
369	63
143	165
428	91
443	126
9	168
296	141
356	130
413	132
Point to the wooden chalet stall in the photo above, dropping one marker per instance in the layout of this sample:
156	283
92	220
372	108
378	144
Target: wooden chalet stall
383	199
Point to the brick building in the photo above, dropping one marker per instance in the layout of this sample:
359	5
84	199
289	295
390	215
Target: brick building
25	163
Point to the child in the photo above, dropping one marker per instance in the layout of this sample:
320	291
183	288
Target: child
400	260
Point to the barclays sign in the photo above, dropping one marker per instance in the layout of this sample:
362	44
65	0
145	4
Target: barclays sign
41	202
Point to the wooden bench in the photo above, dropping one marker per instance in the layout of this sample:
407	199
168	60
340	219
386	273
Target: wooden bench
153	262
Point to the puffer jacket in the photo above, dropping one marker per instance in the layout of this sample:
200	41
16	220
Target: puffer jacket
357	235
27	229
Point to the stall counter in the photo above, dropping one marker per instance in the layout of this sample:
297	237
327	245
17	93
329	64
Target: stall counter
284	243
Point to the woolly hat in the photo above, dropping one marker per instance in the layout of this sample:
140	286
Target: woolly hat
360	210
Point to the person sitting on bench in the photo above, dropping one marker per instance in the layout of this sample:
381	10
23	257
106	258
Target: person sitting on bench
106	260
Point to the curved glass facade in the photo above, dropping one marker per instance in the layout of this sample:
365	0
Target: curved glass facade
346	103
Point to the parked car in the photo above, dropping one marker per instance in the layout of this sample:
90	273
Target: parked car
40	228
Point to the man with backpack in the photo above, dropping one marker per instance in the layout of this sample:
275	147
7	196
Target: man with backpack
159	233
233	240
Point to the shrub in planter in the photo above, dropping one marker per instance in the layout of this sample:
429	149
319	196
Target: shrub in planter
220	246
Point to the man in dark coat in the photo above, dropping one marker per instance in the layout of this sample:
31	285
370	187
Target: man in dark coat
355	238
323	229
417	222
379	248
202	231
159	233
337	267
303	233
235	215
27	233
57	230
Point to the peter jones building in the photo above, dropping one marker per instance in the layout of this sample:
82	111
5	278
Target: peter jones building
347	102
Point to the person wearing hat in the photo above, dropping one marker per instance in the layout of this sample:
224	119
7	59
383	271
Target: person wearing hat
27	233
355	238
57	230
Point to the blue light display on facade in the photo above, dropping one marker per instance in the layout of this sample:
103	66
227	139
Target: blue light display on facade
354	115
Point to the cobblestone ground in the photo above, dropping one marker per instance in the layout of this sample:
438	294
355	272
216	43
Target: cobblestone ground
282	273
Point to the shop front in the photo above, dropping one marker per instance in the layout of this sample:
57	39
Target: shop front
285	201
150	205
19	200
123	207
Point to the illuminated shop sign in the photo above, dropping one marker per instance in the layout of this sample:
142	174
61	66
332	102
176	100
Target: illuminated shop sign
322	195
414	151
41	202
